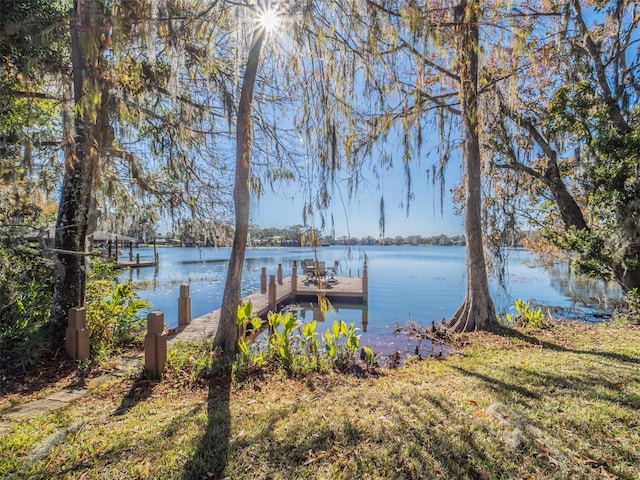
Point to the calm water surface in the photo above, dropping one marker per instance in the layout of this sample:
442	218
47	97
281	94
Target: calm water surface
422	283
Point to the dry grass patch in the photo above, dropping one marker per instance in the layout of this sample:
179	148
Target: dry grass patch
558	403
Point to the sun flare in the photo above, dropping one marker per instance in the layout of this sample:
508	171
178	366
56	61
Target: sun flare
269	20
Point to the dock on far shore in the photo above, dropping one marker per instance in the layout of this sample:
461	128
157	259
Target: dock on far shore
278	293
138	261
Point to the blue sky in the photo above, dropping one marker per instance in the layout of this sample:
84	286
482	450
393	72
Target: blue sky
360	216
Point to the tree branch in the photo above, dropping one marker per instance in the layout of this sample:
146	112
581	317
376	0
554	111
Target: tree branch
600	70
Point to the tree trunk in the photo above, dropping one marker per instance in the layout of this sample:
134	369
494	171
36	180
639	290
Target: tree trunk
569	210
477	311
75	200
227	334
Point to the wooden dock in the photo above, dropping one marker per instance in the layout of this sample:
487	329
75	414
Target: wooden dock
277	295
138	263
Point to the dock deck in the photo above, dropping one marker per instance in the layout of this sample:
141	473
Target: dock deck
137	264
137	261
342	289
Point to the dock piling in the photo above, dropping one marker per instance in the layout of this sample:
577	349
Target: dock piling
279	274
263	280
365	316
365	281
184	306
294	277
273	294
155	345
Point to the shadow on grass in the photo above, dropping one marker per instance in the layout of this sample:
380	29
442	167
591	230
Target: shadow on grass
452	452
601	385
53	369
500	386
619	357
210	458
417	440
141	389
596	381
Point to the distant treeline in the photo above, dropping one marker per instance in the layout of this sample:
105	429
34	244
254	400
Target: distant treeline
299	235
292	236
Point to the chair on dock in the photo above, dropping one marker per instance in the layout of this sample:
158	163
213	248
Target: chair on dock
333	271
308	268
320	270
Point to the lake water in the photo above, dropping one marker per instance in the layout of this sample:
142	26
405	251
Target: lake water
419	283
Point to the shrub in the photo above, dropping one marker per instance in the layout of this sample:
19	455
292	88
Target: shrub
629	310
114	310
26	280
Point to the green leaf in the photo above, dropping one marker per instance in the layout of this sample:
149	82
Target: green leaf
256	323
309	328
289	321
343	327
243	346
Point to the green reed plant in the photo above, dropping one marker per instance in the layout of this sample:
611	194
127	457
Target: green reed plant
282	341
527	316
369	357
310	340
291	345
249	355
341	343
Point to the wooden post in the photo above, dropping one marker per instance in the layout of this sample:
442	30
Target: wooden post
279	274
294	277
263	280
184	306
131	251
137	259
349	272
155	345
117	248
365	317
77	335
272	292
365	282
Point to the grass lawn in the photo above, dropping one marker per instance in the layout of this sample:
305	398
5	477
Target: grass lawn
528	404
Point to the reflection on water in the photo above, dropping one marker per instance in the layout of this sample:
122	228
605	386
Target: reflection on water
422	283
308	311
581	289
